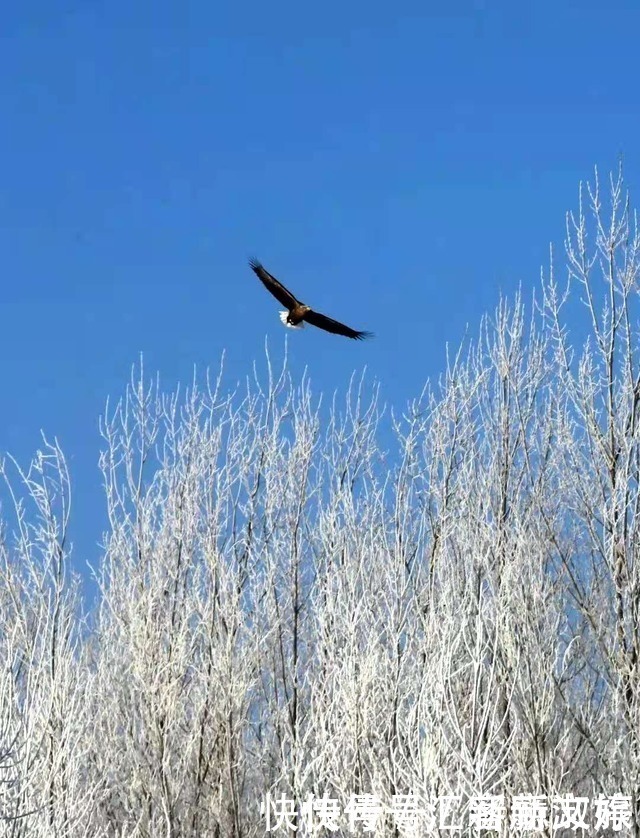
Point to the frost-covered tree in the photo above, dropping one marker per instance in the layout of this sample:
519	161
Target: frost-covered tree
301	598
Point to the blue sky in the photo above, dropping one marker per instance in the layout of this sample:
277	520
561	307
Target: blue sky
395	164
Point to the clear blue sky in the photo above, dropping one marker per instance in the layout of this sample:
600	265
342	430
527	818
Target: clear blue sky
395	164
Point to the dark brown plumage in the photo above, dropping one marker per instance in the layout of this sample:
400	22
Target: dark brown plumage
298	313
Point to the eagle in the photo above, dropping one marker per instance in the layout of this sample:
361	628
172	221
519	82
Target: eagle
298	313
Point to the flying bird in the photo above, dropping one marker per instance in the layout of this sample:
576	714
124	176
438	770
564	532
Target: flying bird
297	313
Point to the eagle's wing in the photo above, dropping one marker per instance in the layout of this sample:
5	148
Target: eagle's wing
329	325
271	284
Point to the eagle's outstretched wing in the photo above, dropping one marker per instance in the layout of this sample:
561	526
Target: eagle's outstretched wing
271	284
329	325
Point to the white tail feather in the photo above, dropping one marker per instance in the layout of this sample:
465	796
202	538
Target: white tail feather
283	317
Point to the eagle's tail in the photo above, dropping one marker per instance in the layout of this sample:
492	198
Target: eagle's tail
283	317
